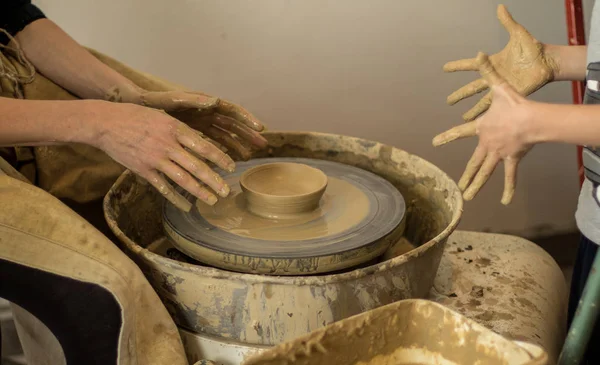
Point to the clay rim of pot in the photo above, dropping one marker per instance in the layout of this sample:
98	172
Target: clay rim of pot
283	189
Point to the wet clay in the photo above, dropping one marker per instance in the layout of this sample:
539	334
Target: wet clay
284	179
283	190
341	207
357	219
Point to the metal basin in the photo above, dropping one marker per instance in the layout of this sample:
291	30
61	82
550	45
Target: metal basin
268	310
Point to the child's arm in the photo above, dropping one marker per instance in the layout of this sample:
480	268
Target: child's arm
570	61
574	124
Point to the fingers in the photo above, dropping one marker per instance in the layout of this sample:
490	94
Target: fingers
177	100
481	106
238	113
466	91
192	140
236	127
481	165
490	78
506	19
167	191
510	179
484	173
472	167
460	131
201	171
229	141
186	181
469	64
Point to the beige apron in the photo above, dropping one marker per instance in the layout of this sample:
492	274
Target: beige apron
38	231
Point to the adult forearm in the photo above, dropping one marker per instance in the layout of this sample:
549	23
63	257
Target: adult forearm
60	58
574	124
42	122
570	61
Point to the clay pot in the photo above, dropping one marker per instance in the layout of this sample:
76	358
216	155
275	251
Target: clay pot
283	189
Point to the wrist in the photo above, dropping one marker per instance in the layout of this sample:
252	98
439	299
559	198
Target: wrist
126	93
552	55
98	117
569	63
533	121
547	121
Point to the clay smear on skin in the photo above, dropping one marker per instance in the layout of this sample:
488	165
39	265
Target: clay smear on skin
341	207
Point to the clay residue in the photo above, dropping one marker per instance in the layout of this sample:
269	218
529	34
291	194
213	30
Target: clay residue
342	206
477	291
404	333
402	246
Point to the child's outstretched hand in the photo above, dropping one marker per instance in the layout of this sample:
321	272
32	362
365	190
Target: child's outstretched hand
523	63
504	132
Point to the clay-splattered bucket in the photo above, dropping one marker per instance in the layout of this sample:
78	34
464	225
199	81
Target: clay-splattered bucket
269	310
406	332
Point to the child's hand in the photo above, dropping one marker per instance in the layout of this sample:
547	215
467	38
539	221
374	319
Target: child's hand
504	135
523	63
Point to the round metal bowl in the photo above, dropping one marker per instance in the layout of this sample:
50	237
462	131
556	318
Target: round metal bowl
268	310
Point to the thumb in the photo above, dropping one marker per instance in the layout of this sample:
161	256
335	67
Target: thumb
506	19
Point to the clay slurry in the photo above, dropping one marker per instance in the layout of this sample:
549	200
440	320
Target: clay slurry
342	206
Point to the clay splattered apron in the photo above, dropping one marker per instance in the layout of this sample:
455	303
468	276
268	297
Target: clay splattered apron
39	232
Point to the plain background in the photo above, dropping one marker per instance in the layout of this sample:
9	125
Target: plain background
370	69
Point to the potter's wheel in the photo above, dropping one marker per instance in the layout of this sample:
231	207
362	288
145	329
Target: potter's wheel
358	217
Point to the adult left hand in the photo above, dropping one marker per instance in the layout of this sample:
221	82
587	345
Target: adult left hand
504	135
222	121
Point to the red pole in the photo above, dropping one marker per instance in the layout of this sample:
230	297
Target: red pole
576	38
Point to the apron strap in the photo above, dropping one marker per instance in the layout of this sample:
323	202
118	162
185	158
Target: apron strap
8	72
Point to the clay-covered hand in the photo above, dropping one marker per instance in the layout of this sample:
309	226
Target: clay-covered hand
504	135
228	124
523	63
152	143
224	122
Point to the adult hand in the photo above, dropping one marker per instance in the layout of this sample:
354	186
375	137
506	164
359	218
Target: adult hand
224	122
151	143
505	134
523	63
229	124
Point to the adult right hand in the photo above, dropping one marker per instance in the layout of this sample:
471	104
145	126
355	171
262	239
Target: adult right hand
523	63
224	122
150	143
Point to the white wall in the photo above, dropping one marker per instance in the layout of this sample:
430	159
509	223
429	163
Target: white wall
366	68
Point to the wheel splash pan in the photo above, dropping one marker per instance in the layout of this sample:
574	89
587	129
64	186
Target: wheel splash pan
268	310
